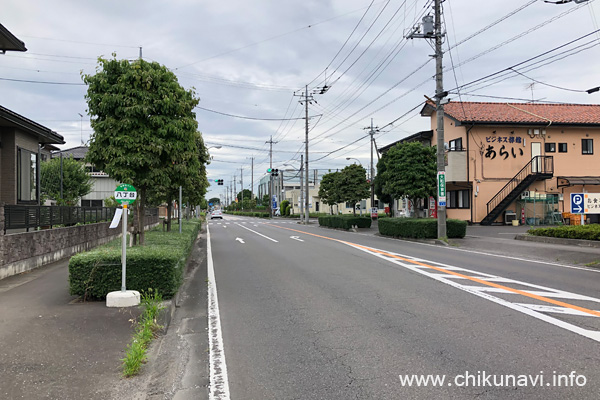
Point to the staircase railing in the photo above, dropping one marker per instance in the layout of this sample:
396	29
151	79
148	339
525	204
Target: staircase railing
539	165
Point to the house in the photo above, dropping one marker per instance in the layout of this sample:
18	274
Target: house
517	158
103	186
21	148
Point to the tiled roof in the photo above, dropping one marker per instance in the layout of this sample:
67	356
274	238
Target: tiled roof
78	153
521	113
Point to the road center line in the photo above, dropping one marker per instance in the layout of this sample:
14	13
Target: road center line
259	234
450	272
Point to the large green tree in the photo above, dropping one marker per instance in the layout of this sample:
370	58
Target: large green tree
329	190
214	200
353	185
408	170
76	181
145	131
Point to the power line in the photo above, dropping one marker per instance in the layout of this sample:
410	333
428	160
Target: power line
547	84
243	117
43	82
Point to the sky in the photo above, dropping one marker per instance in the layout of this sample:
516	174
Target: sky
250	62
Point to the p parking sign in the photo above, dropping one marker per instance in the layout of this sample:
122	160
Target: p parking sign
125	194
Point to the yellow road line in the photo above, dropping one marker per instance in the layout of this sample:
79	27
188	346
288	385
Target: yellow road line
473	279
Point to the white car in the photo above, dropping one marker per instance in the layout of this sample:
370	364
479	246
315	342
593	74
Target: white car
216	214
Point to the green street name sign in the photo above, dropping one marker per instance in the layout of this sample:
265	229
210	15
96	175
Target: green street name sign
442	186
125	194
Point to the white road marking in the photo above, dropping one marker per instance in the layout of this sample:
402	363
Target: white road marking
556	309
259	234
296	238
240	240
219	382
487	292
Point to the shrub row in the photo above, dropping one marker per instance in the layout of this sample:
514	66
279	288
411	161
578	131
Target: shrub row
250	214
159	264
420	228
586	232
344	221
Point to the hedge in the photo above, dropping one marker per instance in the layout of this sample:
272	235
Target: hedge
344	221
585	232
420	228
159	264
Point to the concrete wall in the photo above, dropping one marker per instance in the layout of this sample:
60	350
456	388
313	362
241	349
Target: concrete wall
22	252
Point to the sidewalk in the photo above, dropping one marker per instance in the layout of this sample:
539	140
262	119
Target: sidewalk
54	347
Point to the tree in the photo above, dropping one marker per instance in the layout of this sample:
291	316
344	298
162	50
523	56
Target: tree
76	181
409	171
214	200
247	194
145	131
353	184
265	200
378	183
329	190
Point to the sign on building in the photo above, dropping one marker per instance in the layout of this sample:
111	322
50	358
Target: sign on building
591	203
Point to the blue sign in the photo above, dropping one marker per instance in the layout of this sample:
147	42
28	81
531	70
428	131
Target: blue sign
576	203
210	204
442	204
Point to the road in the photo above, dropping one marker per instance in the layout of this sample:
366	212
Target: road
310	313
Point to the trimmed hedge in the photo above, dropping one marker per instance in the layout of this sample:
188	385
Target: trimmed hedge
585	232
420	228
159	264
344	221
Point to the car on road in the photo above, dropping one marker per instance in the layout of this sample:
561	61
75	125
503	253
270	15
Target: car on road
216	214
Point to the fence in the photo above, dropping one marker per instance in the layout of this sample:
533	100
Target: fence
34	217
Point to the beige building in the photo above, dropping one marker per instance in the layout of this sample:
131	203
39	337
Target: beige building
518	158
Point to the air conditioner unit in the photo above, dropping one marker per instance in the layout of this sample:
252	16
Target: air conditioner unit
525	194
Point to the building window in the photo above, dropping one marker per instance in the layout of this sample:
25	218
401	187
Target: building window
550	147
91	203
26	175
562	147
456	144
458	199
349	205
587	146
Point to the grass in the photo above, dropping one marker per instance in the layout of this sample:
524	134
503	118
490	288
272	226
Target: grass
592	264
145	331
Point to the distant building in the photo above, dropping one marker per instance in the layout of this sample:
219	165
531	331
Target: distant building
103	186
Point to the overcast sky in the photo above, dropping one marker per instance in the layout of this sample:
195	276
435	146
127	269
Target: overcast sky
248	58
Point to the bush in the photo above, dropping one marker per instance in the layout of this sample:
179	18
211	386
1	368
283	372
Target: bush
159	264
420	228
585	232
283	206
344	221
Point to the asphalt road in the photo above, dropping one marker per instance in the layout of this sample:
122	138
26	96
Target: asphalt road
313	313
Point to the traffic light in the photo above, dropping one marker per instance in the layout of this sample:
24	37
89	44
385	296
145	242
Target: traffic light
273	171
219	182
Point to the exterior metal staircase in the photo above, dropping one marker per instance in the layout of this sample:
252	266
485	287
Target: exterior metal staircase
539	168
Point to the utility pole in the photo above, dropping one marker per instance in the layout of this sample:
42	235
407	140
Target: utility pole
234	189
301	200
252	179
242	184
432	29
271	176
372	131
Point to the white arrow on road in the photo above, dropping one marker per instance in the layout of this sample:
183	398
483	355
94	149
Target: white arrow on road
296	238
240	240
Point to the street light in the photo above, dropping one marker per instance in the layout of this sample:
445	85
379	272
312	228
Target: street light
81	127
352	158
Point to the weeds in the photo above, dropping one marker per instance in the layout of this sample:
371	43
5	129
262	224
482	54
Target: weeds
145	331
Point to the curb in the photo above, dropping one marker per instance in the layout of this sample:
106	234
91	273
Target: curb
166	314
552	240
